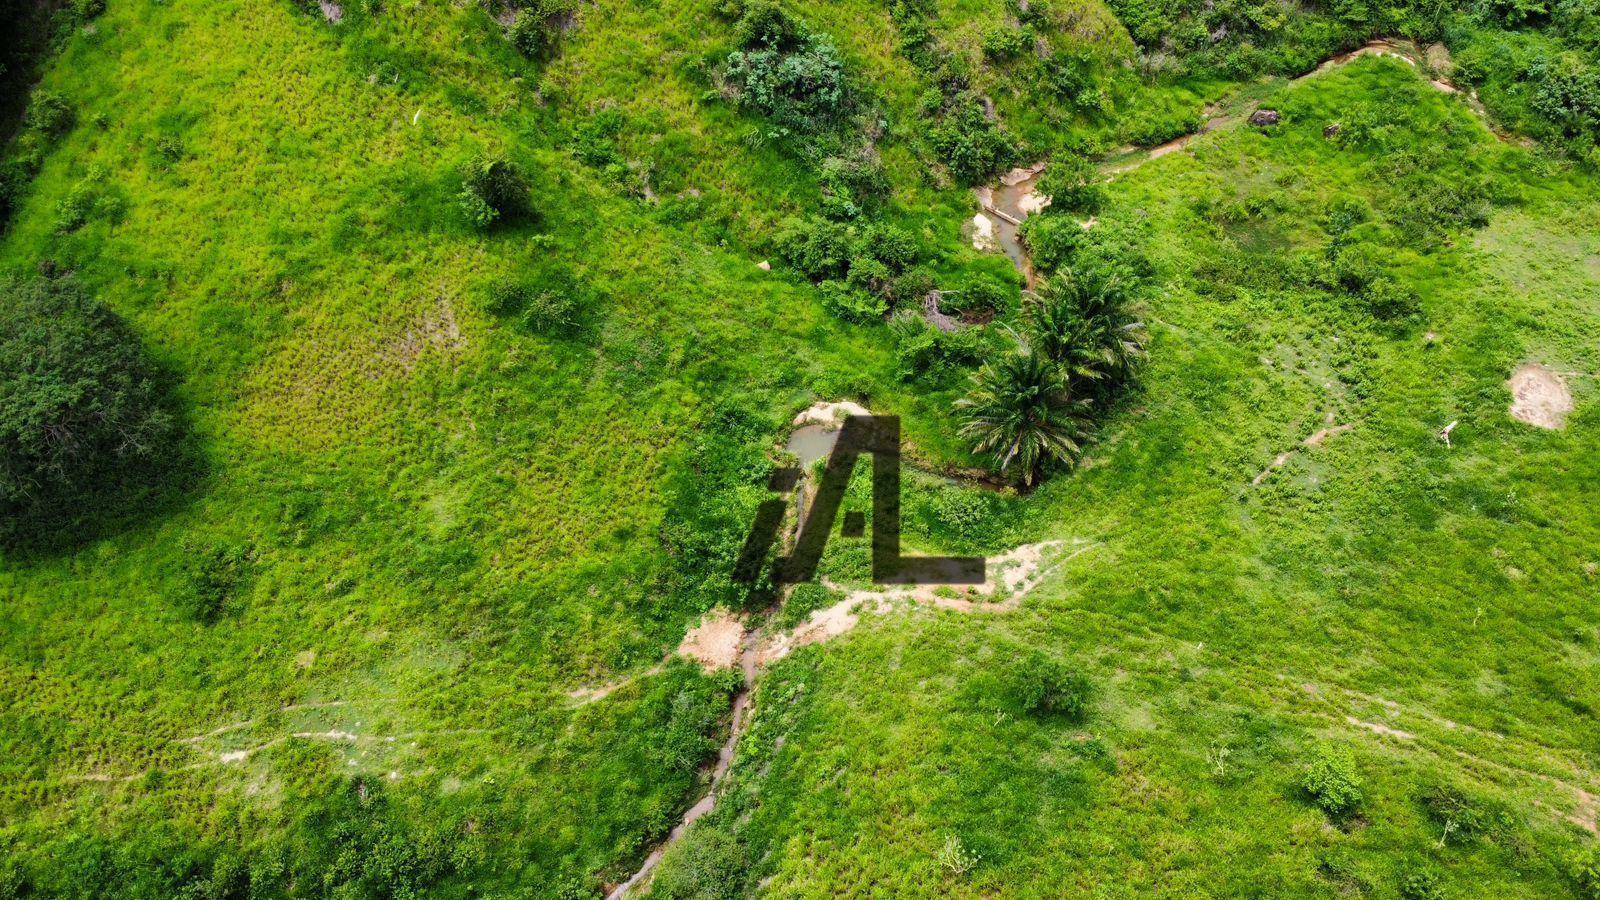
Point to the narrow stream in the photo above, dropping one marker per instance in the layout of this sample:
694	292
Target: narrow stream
1007	204
807	444
749	652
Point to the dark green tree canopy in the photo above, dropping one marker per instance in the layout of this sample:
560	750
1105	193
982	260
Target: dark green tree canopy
81	415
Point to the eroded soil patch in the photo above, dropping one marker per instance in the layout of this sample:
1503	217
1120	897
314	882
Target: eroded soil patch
1539	397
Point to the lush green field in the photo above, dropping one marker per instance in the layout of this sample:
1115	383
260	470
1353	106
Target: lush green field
433	531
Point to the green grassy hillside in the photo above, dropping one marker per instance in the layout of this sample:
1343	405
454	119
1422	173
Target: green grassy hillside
443	551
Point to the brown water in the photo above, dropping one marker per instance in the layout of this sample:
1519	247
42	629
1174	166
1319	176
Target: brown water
1003	203
809	443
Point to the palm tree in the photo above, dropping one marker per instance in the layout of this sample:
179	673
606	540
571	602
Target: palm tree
1057	330
1082	324
1022	415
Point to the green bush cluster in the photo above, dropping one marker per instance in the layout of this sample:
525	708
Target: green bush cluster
962	135
536	29
213	576
1332	783
553	303
1047	686
1421	884
970	142
83	419
923	353
1583	868
1073	183
493	191
862	270
1463	815
1244	38
853	185
49	115
1004	42
784	71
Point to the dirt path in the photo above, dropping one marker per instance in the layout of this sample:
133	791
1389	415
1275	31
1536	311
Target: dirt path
1004	206
1316	439
1217	120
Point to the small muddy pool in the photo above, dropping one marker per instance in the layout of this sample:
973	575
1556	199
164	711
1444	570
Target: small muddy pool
809	443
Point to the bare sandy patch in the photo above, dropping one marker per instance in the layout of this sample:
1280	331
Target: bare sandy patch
435	330
1010	577
983	238
1020	174
1380	728
1539	397
714	643
822	625
823	413
1032	202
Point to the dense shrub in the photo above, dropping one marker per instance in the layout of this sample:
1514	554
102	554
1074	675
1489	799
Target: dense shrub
493	190
1514	13
1074	79
863	270
1566	90
1003	43
1332	783
979	298
49	113
817	248
212	577
924	353
965	513
715	865
536	30
971	145
690	723
784	71
551	304
1421	884
1074	184
1583	867
82	419
1246	38
1463	815
852	185
852	303
1046	686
